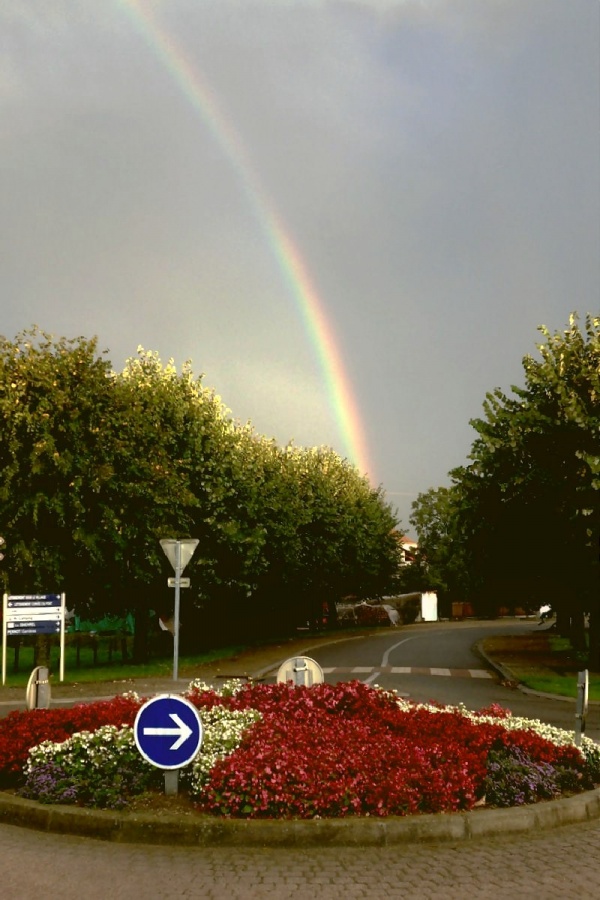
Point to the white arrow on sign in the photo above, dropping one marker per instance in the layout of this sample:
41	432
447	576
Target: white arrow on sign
183	731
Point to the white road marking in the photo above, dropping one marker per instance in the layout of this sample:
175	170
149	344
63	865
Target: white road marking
386	655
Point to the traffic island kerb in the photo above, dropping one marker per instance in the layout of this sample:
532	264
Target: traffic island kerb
359	831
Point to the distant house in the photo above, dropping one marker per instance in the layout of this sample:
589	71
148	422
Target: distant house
408	548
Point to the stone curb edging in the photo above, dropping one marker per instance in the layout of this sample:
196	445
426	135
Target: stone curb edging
205	831
508	675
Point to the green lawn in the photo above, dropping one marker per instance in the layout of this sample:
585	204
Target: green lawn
563	685
549	664
101	659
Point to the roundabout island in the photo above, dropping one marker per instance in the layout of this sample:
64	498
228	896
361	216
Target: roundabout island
289	766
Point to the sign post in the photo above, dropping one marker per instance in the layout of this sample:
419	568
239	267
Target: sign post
25	614
179	553
168	733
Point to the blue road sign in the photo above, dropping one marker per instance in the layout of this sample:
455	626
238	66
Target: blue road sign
33	600
21	628
168	731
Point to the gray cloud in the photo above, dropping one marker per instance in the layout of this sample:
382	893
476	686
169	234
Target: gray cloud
435	162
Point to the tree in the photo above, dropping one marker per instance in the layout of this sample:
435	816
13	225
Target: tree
441	559
168	440
53	400
97	466
529	498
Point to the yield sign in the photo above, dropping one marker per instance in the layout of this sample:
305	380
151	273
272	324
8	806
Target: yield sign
168	731
186	551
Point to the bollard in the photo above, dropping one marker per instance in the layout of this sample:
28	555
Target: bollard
38	689
301	671
582	705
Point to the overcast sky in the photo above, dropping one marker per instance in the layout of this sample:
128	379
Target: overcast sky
434	164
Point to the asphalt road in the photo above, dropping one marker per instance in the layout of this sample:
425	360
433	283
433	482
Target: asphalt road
440	662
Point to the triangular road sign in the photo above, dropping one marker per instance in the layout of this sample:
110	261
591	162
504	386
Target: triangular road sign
188	545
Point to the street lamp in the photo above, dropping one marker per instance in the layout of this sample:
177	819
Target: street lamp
179	553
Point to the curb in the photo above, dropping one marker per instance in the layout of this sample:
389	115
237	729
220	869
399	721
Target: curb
508	675
204	831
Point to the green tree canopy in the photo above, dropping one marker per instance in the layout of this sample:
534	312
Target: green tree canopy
441	563
97	466
529	500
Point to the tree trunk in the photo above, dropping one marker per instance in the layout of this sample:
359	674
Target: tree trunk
594	637
563	622
42	650
140	635
577	634
594	629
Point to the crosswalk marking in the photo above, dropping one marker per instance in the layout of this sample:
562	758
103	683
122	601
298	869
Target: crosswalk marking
408	670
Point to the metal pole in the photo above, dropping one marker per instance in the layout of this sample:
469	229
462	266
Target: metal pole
171	781
582	705
63	609
4	608
176	612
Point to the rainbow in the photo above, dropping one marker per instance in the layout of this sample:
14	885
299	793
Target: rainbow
294	270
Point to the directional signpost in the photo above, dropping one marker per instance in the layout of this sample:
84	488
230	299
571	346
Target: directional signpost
26	614
168	733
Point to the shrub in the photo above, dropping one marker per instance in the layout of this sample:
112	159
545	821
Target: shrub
100	768
20	731
514	778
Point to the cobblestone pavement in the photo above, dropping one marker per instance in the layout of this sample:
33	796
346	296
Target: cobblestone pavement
562	863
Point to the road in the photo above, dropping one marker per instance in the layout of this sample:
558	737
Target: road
438	661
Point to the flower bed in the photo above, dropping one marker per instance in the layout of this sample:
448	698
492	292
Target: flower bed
273	751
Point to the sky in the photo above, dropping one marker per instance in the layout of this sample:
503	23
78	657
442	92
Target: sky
352	216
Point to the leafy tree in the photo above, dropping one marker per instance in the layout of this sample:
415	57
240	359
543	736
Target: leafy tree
530	506
168	438
54	397
441	562
346	530
97	466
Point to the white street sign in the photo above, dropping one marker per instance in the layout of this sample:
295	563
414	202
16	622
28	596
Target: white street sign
183	582
34	616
